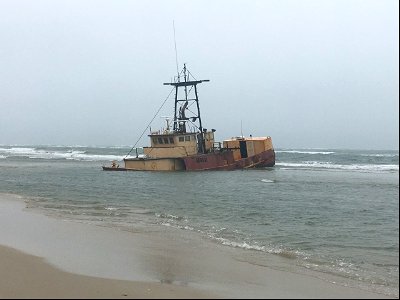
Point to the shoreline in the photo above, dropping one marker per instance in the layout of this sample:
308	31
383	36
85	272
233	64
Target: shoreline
120	264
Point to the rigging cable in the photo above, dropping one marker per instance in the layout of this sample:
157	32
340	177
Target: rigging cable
176	51
150	123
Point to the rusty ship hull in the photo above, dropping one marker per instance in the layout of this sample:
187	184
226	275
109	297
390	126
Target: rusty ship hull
185	145
223	161
226	161
237	153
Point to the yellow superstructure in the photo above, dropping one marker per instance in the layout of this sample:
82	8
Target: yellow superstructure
165	150
248	146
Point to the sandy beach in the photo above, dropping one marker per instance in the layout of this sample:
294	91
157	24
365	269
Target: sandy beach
46	257
27	276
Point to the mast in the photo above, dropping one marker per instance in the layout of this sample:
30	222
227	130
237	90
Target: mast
183	111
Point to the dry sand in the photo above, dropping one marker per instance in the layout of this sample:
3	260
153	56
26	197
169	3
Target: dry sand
65	259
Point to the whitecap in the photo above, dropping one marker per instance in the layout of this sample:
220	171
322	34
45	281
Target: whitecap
351	167
70	154
267	181
110	208
380	155
305	152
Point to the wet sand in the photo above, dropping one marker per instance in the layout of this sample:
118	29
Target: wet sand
46	257
27	276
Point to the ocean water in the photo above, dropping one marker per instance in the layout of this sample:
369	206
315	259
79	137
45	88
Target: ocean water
333	214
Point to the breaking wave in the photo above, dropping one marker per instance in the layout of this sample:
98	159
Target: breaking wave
305	152
68	154
351	167
380	155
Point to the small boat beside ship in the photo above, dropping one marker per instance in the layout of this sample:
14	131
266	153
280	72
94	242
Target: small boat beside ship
185	145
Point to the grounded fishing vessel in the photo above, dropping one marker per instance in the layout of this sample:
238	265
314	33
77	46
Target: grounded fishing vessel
189	146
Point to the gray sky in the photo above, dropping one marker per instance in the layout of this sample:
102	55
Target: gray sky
311	74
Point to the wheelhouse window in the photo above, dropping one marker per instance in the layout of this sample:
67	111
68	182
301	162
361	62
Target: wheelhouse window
155	141
181	139
171	140
166	141
187	138
160	141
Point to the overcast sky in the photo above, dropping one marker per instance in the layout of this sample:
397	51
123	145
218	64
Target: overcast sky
310	74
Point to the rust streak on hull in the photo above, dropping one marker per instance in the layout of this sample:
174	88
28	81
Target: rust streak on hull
225	161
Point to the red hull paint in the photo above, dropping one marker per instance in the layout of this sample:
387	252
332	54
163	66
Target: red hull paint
224	161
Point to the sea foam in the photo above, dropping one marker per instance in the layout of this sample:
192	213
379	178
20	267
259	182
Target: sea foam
69	154
350	167
305	152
